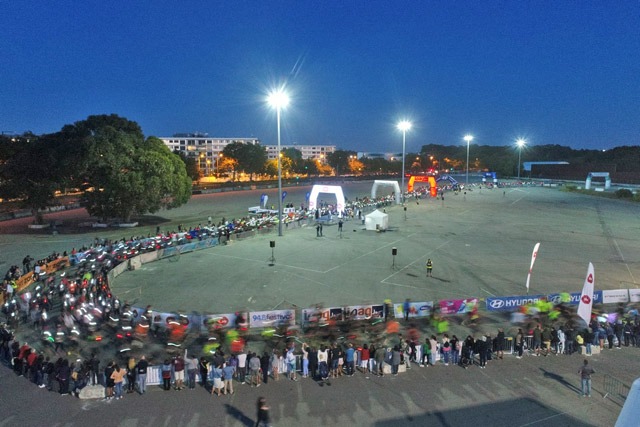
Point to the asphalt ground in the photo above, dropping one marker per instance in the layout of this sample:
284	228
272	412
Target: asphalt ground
481	245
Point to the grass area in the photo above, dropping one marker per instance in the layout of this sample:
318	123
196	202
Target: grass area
623	194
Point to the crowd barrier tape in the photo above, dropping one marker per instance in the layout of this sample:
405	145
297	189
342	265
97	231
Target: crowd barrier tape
416	309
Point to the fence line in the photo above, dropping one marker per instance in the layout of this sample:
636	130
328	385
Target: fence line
615	388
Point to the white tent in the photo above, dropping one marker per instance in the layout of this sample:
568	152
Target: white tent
376	220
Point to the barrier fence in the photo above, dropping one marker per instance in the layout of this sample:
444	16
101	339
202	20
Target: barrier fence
615	389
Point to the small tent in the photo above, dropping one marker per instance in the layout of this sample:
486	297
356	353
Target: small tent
376	220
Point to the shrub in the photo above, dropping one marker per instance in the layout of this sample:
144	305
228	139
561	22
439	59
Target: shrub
624	193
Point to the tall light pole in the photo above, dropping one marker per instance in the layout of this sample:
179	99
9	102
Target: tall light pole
403	126
278	99
520	143
218	170
467	138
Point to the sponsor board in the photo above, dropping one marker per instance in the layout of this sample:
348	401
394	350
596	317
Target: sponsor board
634	295
222	321
416	309
512	303
458	306
614	296
261	319
322	315
575	298
362	312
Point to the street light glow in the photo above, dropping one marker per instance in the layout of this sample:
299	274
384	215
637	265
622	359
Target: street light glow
404	125
520	143
468	138
278	99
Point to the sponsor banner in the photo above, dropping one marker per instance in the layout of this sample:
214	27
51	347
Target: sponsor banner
614	296
634	295
363	312
512	303
458	306
261	319
223	321
416	309
575	298
586	296
323	315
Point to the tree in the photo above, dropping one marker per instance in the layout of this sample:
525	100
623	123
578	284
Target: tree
123	173
339	160
32	174
190	165
249	158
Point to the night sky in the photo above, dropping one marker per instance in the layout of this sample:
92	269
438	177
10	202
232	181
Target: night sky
552	72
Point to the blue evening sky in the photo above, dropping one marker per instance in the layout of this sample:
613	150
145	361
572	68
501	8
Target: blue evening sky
553	72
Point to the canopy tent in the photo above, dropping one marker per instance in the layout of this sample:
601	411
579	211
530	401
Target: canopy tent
376	220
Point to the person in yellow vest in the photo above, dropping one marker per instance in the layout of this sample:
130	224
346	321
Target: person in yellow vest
429	268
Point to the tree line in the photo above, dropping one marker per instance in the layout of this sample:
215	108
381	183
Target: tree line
120	173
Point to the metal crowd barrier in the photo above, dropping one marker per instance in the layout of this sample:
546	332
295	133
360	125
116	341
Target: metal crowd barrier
615	389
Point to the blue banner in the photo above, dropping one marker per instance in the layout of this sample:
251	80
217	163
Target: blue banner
511	303
575	298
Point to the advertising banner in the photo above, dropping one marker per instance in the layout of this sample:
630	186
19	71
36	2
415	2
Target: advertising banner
458	306
416	309
575	298
585	306
634	295
261	319
223	321
615	296
363	312
511	303
322	315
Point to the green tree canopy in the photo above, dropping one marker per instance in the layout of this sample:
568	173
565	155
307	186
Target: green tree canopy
124	174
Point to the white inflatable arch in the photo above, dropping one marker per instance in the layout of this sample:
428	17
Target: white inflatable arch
378	183
329	189
605	175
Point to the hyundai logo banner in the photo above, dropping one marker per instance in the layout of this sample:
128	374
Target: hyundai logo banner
511	303
514	302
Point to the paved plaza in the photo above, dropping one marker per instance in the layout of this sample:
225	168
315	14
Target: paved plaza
481	246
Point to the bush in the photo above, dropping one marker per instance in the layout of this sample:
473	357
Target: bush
624	193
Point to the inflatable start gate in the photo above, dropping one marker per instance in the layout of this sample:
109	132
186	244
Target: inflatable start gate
433	188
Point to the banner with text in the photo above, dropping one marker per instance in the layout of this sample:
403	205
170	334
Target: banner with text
261	319
575	298
363	312
416	309
458	306
512	303
321	315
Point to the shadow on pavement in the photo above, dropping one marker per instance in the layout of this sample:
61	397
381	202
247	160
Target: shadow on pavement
515	412
560	379
238	415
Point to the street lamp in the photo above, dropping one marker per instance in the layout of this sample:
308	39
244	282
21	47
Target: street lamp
208	170
200	157
278	99
520	143
468	138
218	170
403	126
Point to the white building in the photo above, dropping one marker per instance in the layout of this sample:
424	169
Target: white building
206	150
313	152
